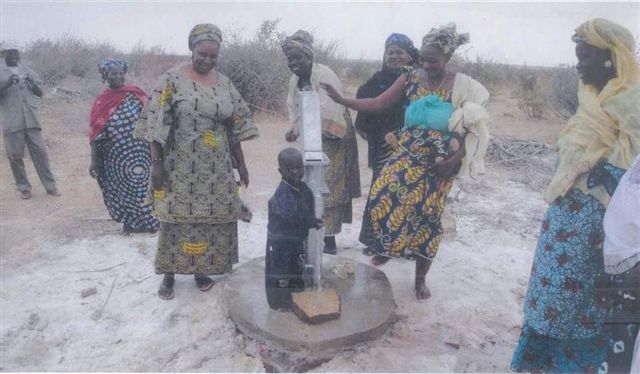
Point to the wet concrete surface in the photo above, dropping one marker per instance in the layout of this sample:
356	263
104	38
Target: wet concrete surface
367	308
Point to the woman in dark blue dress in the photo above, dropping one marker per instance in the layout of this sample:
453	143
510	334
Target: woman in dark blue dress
119	162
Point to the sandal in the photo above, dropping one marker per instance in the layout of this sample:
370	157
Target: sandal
165	292
204	283
378	260
368	251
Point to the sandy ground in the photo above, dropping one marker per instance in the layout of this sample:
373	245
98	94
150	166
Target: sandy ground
53	248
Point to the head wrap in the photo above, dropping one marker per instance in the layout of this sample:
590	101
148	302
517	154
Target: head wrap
204	31
107	64
593	133
402	41
301	40
446	38
604	34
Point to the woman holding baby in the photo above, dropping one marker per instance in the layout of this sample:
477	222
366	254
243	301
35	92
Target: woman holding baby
444	134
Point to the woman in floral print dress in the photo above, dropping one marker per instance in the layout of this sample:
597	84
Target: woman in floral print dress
195	121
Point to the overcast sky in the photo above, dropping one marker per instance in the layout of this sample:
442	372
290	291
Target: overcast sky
537	33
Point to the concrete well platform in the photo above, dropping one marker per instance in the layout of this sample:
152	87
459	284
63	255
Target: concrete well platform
367	307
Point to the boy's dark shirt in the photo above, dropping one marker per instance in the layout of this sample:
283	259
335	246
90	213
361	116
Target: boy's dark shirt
291	213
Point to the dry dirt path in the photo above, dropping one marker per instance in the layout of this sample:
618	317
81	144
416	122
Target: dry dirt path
53	248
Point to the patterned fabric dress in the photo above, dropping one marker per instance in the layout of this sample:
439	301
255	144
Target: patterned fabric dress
199	206
563	329
126	161
376	126
342	177
407	200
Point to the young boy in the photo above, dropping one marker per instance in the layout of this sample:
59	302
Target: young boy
291	215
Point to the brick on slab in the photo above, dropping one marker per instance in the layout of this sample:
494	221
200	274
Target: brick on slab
315	307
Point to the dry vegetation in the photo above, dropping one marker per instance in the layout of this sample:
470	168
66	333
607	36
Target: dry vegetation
258	68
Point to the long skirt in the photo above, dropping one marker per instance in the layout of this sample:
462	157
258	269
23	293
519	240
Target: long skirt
201	248
564	319
381	154
126	163
343	180
407	200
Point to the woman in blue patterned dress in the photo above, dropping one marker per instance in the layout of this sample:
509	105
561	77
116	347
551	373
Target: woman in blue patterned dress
119	162
564	326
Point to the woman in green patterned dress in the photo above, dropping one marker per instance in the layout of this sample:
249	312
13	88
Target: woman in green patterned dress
195	122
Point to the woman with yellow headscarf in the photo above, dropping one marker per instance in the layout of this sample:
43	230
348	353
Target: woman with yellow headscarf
564	326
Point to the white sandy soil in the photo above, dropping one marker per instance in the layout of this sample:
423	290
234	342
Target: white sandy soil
53	248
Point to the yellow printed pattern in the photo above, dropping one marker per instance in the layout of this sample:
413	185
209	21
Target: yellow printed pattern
415	196
419	238
399	243
159	194
407	202
397	217
381	182
414	174
166	94
381	209
194	248
209	139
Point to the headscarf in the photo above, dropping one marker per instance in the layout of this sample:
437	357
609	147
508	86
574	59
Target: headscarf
301	40
404	42
109	100
446	38
593	133
106	65
7	46
604	34
392	118
204	31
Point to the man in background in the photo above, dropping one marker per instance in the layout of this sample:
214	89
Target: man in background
20	125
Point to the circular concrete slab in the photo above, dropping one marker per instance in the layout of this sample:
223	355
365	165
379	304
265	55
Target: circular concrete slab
365	293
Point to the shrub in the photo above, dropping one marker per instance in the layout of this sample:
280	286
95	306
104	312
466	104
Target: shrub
258	68
533	97
491	74
359	71
565	91
66	56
